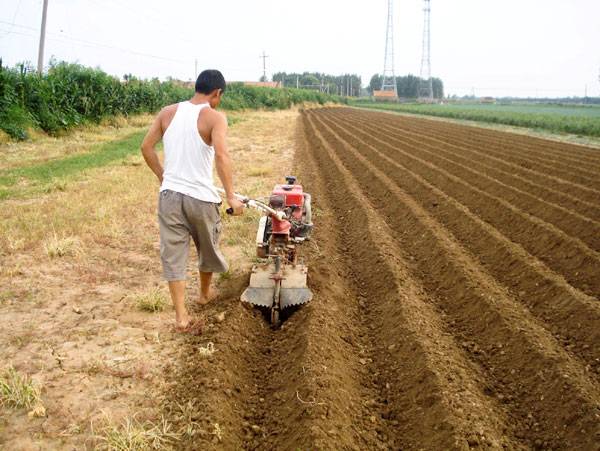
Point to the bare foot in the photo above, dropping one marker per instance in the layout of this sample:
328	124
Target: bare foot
212	295
192	326
183	323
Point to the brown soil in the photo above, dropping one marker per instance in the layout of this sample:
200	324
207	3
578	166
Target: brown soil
456	274
456	301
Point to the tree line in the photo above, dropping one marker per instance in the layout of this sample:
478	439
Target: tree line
408	86
344	85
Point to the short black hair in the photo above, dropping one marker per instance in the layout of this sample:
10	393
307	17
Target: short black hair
209	80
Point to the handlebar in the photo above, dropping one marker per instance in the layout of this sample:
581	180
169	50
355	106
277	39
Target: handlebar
254	204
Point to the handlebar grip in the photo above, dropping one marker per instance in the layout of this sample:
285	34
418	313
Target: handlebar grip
229	211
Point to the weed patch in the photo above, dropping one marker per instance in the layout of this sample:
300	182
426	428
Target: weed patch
18	390
56	246
153	301
134	435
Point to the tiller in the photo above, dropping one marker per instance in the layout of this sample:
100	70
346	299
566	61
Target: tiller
279	281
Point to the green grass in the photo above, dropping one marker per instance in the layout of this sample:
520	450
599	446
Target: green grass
54	174
573	119
17	390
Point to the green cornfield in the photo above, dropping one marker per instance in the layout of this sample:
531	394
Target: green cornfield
71	94
579	120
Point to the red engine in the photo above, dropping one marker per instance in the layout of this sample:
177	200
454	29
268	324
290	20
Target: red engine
297	225
286	197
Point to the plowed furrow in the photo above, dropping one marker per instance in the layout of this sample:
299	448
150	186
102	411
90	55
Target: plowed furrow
478	137
574	187
230	398
531	145
566	220
426	382
489	166
531	157
571	315
341	398
559	251
531	374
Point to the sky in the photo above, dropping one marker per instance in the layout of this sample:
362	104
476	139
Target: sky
522	48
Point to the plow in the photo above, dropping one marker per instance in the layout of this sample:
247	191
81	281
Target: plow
279	281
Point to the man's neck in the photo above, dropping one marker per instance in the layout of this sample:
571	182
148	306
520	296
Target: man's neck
199	98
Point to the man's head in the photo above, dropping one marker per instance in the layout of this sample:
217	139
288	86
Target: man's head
211	83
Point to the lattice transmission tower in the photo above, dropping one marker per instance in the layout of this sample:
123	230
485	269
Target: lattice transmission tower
388	82
426	83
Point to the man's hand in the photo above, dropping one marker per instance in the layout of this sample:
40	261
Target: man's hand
236	205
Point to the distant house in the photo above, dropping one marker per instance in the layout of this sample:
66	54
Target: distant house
385	95
488	100
264	84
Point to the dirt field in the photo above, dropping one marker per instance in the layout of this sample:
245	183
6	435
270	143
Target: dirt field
79	270
476	253
456	273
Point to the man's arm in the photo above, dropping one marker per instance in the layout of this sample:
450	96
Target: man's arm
223	162
152	138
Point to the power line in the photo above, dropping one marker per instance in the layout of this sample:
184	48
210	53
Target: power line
154	22
20	33
14	18
64	37
69	39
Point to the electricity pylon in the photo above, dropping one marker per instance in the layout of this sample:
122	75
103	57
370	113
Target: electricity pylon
426	82
388	82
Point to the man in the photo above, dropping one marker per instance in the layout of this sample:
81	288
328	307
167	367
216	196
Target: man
193	134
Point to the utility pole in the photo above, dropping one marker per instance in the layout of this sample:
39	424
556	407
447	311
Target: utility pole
388	82
426	82
350	85
297	82
42	38
264	58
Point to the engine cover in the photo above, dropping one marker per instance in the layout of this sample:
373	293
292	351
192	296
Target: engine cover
292	195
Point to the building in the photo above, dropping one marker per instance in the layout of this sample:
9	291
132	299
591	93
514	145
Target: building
263	84
388	96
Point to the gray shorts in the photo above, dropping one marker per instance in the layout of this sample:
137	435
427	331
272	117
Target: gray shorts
181	217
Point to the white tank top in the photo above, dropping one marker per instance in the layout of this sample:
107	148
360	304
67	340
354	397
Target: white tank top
188	167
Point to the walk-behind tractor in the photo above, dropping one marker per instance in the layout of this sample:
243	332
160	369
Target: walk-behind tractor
280	281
